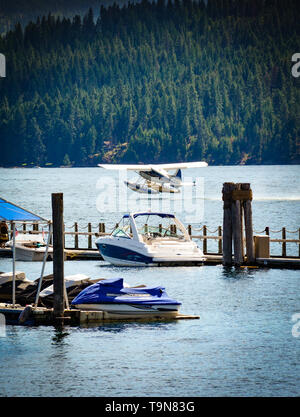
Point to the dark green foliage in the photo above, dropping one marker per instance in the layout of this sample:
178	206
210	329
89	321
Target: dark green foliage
172	81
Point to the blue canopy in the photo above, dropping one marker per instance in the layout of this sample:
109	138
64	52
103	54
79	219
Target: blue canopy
12	212
113	291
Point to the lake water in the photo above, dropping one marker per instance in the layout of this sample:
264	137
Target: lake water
245	342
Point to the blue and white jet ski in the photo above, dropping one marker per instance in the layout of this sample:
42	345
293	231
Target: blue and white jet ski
112	296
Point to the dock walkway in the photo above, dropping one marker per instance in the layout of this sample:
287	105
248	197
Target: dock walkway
45	316
211	259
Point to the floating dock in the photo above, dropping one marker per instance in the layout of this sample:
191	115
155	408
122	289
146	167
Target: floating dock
211	259
45	316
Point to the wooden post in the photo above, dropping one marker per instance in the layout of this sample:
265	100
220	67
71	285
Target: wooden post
101	227
267	230
248	225
220	240
190	230
90	236
58	254
64	235
76	236
284	243
237	229
242	228
227	223
204	239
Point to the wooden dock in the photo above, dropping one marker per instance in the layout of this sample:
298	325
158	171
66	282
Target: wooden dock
211	259
253	249
202	234
74	317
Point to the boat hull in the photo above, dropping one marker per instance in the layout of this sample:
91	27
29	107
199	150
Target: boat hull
132	309
123	256
29	254
124	262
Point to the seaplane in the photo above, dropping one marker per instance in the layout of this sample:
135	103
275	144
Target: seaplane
156	178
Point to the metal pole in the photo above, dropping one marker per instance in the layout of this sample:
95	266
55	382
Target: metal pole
43	266
14	265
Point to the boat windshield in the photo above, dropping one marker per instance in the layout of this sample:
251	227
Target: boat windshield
122	229
156	226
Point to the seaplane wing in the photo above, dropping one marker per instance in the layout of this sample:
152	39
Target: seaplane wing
131	167
182	165
149	167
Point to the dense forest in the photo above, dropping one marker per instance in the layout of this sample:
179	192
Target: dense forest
20	11
154	82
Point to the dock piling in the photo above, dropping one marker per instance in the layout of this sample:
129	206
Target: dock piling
237	206
247	206
58	254
227	223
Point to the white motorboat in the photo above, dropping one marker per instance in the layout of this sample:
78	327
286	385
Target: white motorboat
149	239
115	297
30	247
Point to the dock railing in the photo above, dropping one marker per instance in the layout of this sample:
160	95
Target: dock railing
82	237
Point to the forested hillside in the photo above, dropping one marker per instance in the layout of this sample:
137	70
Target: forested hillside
20	11
154	82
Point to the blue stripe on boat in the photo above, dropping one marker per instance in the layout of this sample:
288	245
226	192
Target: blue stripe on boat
118	252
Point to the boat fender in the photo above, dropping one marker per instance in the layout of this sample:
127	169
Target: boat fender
26	313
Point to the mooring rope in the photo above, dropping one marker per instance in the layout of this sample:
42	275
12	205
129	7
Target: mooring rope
198	229
212	231
69	227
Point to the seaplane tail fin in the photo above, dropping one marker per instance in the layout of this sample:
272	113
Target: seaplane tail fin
178	174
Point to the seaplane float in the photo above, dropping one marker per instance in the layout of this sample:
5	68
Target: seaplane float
149	239
156	178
